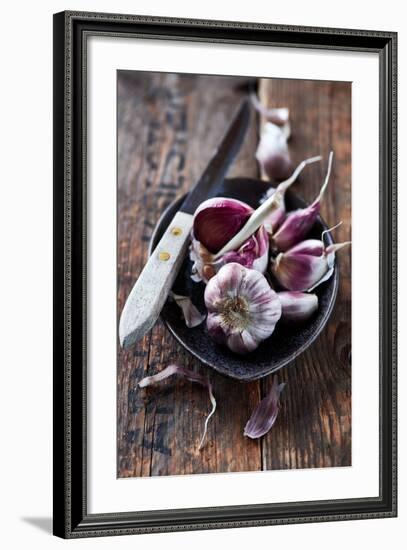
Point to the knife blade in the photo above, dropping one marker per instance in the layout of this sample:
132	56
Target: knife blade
150	291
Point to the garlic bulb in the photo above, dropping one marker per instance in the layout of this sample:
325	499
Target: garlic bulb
216	221
297	224
297	306
242	308
306	265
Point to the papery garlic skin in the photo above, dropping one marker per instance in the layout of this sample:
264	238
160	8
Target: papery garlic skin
215	222
242	308
253	253
272	152
297	307
189	375
203	266
192	316
277	216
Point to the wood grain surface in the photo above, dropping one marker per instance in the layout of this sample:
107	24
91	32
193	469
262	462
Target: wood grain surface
168	127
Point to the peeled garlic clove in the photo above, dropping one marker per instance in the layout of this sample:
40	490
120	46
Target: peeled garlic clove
242	308
297	224
297	306
272	152
215	223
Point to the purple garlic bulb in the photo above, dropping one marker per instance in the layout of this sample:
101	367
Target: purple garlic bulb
242	308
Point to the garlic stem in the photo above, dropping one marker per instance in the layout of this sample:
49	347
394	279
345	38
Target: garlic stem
329	230
284	185
328	174
337	246
261	213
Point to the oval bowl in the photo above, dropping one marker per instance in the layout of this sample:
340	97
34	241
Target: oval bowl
286	342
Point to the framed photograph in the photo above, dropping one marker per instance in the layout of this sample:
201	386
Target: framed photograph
224	274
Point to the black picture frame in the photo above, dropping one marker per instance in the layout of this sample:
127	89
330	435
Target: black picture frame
71	518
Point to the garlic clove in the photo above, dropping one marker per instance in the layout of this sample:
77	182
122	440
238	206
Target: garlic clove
261	214
242	308
297	224
272	152
299	271
217	220
278	115
297	306
306	265
265	414
295	227
313	247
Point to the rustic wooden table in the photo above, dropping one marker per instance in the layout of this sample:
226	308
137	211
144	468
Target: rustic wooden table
168	126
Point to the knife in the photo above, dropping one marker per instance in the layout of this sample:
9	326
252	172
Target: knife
150	291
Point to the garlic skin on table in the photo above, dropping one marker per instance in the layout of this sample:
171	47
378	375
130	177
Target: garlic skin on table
242	308
216	221
306	265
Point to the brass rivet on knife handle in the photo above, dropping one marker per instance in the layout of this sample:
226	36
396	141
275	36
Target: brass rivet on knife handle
176	231
164	256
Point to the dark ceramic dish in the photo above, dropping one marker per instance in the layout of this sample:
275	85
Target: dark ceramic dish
286	342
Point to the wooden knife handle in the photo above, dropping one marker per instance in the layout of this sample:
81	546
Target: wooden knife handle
151	289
